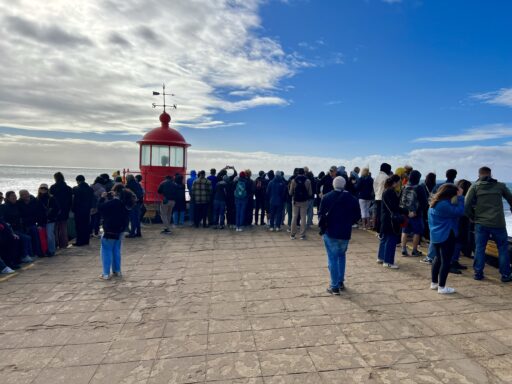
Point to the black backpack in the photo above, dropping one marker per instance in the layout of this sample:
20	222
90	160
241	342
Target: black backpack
301	192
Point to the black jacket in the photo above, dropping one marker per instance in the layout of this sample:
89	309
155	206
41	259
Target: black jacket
83	199
115	217
10	213
342	210
64	196
51	209
135	187
324	186
390	204
221	191
364	188
31	213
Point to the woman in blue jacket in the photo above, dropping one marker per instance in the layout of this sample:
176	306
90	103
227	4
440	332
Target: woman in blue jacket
446	207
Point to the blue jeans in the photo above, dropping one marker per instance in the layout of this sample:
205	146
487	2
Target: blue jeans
110	255
499	235
456	252
240	205
309	212
387	248
276	215
50	237
219	210
431	254
336	260
135	220
26	241
36	244
178	217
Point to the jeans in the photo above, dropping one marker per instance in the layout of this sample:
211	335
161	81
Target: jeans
50	237
95	223
260	206
431	253
241	206
289	213
456	252
219	210
499	235
309	212
135	220
110	255
276	216
26	242
387	248
336	250
36	243
178	217
442	261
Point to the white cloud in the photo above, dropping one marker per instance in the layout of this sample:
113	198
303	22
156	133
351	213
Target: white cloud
501	97
488	132
24	150
91	66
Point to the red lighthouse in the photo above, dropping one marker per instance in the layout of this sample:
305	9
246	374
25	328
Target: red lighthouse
162	152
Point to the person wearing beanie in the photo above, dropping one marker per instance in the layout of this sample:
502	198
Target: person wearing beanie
413	198
339	210
378	190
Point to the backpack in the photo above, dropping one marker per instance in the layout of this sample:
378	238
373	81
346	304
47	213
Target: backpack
409	199
300	193
240	190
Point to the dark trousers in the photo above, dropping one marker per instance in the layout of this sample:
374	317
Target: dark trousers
200	213
82	225
11	252
260	206
95	223
378	209
442	261
276	216
61	229
135	220
33	232
248	211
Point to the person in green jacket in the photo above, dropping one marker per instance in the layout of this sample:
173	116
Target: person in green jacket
484	206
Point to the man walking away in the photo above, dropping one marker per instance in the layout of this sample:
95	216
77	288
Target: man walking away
300	191
340	210
260	189
484	205
168	190
83	198
378	190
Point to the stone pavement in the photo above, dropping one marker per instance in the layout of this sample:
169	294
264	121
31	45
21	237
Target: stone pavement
218	306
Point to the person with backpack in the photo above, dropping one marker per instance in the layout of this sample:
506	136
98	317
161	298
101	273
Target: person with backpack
484	205
446	207
413	198
114	207
276	191
391	219
339	210
219	202
260	190
241	197
300	191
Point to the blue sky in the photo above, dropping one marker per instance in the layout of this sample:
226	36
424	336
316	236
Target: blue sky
349	81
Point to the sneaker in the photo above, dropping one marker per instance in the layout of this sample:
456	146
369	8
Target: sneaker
506	279
342	286
458	265
445	290
165	230
478	276
292	237
426	260
278	229
379	261
117	274
455	271
416	253
104	277
27	259
289	230
7	271
303	237
434	285
405	253
333	291
221	227
390	266
271	229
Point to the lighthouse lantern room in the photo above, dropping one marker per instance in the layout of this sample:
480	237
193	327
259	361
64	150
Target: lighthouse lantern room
162	152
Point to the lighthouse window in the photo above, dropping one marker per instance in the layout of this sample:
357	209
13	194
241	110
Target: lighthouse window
176	157
160	156
145	156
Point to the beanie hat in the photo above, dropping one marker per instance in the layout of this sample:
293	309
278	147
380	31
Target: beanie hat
242	175
339	183
262	173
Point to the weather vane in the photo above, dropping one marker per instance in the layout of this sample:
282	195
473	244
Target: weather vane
163	94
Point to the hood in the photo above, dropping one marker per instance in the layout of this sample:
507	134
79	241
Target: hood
341	170
486	182
193	174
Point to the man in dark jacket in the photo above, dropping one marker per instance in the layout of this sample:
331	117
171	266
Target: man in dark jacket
277	193
260	189
32	216
11	247
83	199
340	210
484	205
63	194
168	190
134	186
10	213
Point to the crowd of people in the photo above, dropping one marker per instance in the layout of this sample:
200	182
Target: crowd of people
398	205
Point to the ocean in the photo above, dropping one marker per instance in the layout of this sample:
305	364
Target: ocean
16	177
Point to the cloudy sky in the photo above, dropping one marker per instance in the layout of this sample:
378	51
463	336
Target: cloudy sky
260	84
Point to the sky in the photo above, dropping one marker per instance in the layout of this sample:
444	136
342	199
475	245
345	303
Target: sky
262	84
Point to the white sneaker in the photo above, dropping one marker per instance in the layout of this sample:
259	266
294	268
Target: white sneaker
434	285
7	271
379	261
27	259
390	266
271	229
445	290
278	229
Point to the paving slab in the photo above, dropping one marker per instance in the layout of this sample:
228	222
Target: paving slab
210	306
